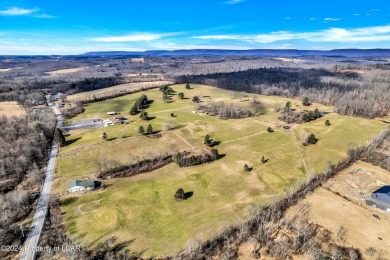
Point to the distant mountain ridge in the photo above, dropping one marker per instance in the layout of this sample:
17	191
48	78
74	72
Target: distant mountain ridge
252	52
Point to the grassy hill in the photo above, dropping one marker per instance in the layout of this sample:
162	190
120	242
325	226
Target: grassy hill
143	208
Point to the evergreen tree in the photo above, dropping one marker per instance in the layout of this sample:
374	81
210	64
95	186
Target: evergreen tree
269	130
208	140
179	194
181	95
149	129
196	99
59	137
165	97
104	136
287	108
246	168
317	113
215	153
144	115
134	110
141	130
172	115
188	86
306	101
327	123
38	128
311	139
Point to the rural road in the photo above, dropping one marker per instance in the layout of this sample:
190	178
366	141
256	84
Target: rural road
29	249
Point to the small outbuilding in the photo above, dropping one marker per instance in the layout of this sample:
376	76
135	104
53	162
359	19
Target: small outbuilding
80	186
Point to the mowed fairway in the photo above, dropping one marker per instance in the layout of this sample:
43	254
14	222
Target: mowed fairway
143	208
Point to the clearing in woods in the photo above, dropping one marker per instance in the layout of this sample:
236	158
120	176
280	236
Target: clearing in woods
11	108
144	206
65	71
115	89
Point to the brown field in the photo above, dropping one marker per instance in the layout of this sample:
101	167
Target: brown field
8	69
11	108
290	60
65	71
353	71
341	202
123	87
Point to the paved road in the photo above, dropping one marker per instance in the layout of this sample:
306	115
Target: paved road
81	126
29	248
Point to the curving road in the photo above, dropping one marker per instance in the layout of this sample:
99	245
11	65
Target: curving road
30	246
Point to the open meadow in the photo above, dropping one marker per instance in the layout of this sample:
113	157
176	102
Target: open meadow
142	207
11	108
127	87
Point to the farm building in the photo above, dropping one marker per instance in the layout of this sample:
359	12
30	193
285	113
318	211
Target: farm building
380	198
77	186
58	96
60	104
382	194
115	121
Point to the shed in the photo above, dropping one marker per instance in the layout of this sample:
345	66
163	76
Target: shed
382	194
78	185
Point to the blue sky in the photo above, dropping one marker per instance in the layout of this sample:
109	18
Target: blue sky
74	27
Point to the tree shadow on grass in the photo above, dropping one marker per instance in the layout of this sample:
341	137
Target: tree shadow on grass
188	194
68	201
110	245
215	143
71	141
178	127
112	139
220	156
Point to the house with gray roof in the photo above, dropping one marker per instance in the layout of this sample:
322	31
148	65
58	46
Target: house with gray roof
80	186
382	194
380	198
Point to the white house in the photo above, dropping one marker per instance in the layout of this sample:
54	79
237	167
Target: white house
79	186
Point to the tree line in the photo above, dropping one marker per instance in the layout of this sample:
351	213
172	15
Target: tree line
366	95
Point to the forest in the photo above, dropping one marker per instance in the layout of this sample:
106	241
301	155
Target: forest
25	145
347	92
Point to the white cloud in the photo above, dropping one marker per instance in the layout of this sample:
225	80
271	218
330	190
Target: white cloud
233	2
16	11
312	19
45	16
356	14
338	35
135	37
329	19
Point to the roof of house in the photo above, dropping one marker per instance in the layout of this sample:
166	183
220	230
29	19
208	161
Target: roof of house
384	189
86	184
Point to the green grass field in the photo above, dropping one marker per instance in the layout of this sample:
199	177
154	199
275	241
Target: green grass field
143	208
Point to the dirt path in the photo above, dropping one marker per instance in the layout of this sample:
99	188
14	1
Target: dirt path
244	137
299	150
175	109
184	140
